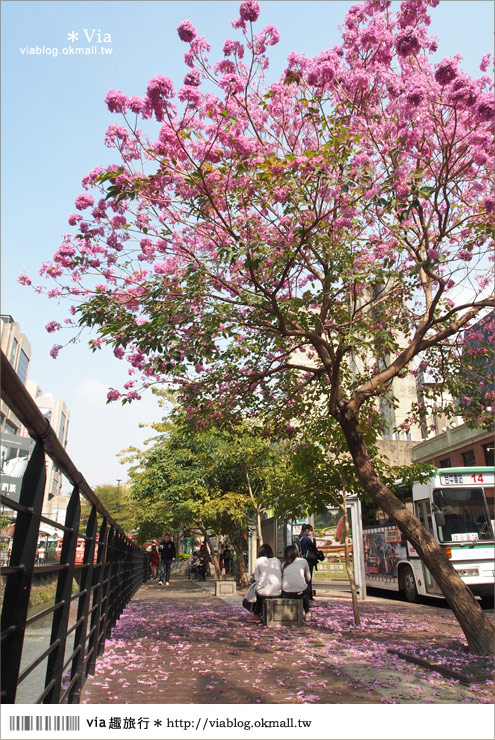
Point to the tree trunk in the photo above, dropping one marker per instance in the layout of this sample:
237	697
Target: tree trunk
350	571
209	545
243	576
258	509
477	628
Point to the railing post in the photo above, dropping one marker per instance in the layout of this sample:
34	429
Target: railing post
63	594
98	580
107	590
18	585
77	671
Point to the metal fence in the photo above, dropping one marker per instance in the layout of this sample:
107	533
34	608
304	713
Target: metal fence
110	571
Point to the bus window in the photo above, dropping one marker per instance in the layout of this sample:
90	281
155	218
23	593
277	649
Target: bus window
463	515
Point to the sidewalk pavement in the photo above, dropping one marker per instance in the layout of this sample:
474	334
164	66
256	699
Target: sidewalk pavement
183	645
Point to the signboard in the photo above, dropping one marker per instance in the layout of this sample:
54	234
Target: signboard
467	479
392	535
15	451
333	568
381	556
464	536
296	528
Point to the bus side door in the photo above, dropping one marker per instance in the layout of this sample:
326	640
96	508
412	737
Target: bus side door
422	509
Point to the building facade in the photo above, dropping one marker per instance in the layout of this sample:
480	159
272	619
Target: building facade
457	446
16	444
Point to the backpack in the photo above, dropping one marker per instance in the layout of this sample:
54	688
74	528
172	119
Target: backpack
313	555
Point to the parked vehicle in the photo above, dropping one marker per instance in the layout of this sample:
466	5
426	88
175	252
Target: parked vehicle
79	550
457	507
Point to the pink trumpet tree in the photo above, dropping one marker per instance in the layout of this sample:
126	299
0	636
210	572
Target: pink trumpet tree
329	230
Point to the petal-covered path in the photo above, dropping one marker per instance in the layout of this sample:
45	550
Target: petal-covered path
182	645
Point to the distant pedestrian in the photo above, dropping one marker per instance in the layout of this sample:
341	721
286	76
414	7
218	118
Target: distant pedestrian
227	559
202	565
296	578
268	578
167	556
192	567
154	561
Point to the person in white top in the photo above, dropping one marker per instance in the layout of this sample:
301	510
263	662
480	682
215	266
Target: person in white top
268	577
296	578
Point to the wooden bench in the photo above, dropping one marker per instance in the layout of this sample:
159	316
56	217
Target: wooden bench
286	612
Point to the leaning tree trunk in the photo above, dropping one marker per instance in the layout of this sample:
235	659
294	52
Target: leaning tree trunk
477	628
243	576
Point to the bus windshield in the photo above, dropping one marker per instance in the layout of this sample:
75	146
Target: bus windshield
462	514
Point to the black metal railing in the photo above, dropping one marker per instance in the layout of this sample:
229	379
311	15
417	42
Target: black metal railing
113	567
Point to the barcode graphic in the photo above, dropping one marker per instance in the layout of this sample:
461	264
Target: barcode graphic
48	724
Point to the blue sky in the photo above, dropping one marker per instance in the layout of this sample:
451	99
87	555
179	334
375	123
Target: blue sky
53	125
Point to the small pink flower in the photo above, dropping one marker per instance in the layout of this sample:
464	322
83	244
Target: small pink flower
192	78
407	43
113	395
446	72
116	101
186	31
52	326
55	350
158	87
249	10
24	279
84	201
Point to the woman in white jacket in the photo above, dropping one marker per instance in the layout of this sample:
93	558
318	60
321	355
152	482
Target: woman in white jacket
296	578
268	577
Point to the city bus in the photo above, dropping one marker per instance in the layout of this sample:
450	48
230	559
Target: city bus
456	505
79	554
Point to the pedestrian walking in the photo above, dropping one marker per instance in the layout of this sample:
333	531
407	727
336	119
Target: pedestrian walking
296	578
268	579
154	562
167	556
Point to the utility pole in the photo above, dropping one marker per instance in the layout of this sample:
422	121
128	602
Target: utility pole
119	480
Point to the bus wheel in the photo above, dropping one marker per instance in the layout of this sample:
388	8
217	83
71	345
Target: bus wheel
409	586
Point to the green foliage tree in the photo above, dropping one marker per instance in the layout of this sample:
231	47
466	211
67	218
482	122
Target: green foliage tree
211	480
117	502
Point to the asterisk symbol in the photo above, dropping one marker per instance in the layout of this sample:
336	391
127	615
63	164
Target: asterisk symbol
158	723
72	36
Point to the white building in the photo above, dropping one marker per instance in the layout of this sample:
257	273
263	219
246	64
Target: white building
57	413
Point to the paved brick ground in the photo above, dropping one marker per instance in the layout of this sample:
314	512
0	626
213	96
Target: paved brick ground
181	645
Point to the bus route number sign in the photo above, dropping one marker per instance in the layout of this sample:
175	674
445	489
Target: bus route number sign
463	479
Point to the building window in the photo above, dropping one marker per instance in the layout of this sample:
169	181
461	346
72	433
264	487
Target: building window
445	463
11	428
468	458
23	366
489	457
61	429
13	351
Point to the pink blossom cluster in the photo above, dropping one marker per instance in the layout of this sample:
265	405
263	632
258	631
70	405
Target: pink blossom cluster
250	209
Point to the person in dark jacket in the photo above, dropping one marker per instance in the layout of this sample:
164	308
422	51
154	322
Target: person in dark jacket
307	548
227	559
166	548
